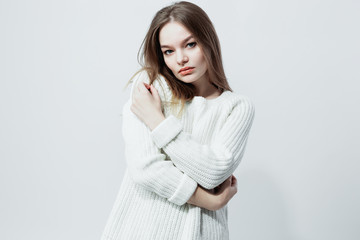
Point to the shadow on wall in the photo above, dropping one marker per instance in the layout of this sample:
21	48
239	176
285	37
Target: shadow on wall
258	211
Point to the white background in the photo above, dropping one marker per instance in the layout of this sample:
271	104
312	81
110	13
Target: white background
63	66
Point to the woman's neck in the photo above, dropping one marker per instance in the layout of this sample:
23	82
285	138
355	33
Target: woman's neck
206	89
208	92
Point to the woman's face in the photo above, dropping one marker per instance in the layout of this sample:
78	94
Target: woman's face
182	54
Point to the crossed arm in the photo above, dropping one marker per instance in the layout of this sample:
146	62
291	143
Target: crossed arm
178	179
149	167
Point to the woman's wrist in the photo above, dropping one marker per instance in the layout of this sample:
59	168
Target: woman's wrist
205	199
155	121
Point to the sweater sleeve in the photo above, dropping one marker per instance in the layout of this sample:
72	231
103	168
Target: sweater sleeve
208	164
147	165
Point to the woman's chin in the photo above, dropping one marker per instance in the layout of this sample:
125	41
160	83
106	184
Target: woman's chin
186	78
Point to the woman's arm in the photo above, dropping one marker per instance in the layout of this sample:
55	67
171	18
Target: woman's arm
216	198
148	166
208	164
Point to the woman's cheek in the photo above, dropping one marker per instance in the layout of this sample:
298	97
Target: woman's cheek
167	64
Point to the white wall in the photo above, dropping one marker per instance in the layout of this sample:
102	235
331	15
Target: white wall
63	65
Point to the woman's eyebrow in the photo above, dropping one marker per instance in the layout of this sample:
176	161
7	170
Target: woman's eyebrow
185	40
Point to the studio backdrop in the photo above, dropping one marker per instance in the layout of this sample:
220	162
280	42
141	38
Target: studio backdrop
63	69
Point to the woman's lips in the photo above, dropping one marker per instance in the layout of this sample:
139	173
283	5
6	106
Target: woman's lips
186	70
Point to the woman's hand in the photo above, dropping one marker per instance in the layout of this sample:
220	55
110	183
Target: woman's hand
146	105
226	191
216	198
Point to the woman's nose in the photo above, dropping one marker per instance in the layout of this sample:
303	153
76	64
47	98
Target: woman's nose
182	59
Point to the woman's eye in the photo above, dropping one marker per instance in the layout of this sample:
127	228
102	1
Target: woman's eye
192	44
167	52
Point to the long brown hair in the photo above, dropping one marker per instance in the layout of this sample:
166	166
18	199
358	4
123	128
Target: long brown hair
199	24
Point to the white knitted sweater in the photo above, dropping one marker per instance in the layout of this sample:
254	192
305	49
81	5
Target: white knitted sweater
164	167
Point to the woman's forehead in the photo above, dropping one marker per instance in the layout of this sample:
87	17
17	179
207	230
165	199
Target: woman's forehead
173	33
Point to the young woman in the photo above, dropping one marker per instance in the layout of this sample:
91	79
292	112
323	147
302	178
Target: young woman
185	133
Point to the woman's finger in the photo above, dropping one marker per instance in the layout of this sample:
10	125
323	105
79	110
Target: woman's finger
147	85
234	180
155	93
141	87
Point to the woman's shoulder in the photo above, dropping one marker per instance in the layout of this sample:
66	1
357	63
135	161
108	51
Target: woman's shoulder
236	100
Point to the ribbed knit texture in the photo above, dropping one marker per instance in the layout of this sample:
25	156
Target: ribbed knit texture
165	165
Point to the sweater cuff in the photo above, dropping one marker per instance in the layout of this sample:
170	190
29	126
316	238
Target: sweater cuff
169	128
184	191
